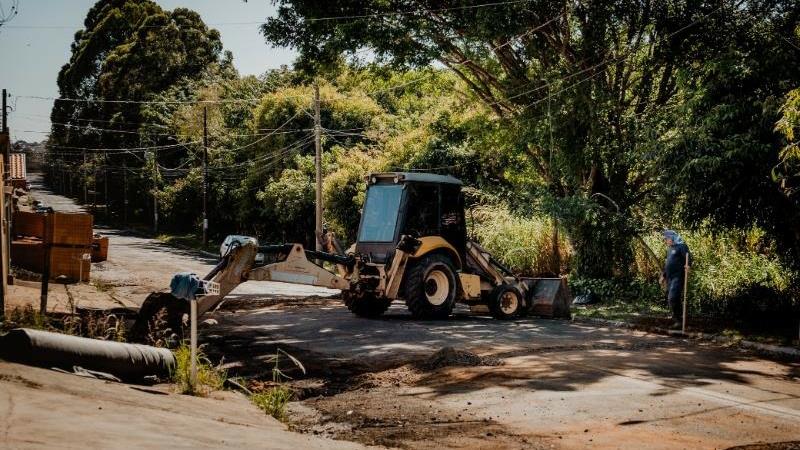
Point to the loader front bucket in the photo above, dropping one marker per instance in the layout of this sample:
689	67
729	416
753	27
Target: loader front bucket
548	297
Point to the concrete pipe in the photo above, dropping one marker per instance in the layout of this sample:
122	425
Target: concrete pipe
129	362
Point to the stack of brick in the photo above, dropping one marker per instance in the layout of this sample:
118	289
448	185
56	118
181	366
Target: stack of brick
68	235
27	246
99	248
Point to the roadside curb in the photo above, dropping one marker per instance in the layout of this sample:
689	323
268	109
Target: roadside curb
768	349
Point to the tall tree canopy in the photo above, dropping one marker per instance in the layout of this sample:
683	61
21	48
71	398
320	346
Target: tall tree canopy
128	52
587	92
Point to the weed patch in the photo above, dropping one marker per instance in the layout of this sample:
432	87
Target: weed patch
273	401
209	377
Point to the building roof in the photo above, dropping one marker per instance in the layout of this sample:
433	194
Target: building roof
420	177
17	166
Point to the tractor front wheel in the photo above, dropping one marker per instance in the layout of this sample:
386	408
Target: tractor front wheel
430	288
506	302
365	304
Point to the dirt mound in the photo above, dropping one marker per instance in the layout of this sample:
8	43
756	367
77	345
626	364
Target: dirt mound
450	357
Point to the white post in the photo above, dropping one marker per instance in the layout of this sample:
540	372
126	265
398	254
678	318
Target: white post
685	291
193	344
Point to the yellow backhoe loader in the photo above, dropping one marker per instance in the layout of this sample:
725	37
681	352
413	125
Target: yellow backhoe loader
411	245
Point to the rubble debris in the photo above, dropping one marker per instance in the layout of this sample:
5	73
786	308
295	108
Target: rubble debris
449	356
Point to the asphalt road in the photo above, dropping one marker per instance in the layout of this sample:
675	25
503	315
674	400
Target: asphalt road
565	384
576	385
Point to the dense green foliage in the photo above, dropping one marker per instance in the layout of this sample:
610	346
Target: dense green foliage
576	127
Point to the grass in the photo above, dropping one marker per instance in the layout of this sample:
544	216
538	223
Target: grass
649	314
102	285
25	317
273	401
209	377
190	240
624	311
92	325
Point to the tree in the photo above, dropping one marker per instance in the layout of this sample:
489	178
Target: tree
720	163
579	87
128	52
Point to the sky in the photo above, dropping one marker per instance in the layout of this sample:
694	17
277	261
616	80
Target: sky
36	43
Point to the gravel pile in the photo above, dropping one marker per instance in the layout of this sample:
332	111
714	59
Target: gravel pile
449	357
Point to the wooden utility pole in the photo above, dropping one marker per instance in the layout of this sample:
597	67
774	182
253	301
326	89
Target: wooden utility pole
205	176
5	219
125	193
4	261
155	193
83	179
318	164
7	139
105	186
94	185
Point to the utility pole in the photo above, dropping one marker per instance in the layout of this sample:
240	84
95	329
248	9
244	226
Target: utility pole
94	184
318	164
155	192
205	176
5	112
7	140
6	213
105	186
83	179
125	193
155	206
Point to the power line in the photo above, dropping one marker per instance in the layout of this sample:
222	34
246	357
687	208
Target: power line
309	19
600	64
101	130
123	150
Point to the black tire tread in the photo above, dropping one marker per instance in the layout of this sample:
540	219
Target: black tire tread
366	305
415	289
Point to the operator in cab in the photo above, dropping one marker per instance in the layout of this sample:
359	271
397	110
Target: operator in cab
675	273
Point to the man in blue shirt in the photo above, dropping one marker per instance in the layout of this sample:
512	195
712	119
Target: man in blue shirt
675	273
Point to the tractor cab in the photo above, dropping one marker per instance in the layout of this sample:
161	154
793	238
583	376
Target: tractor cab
414	204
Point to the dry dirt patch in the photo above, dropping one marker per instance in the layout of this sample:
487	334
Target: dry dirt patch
375	408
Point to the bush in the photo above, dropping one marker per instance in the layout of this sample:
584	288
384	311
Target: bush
735	273
610	290
525	245
287	205
343	191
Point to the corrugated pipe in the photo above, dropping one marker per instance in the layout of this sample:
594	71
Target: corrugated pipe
129	362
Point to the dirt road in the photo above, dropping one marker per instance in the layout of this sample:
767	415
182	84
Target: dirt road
530	383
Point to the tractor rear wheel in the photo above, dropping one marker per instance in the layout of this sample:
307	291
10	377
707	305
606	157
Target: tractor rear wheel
430	287
506	302
365	304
